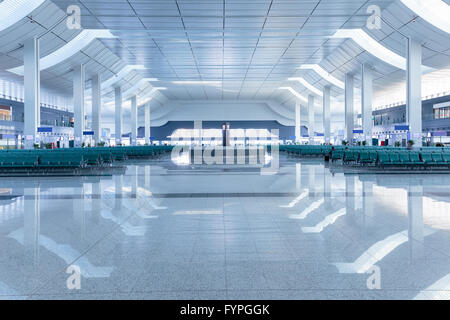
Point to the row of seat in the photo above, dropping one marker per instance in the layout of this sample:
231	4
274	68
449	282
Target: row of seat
322	150
74	157
307	150
384	158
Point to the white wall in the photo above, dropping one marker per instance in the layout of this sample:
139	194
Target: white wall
222	110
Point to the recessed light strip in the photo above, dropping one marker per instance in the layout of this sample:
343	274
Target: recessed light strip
324	74
295	93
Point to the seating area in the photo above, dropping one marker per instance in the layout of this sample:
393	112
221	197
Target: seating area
309	150
382	157
73	158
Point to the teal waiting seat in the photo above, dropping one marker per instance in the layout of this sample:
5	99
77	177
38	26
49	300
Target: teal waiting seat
427	158
446	158
437	159
91	158
351	156
118	154
414	158
17	160
404	158
383	158
60	161
368	157
394	158
337	155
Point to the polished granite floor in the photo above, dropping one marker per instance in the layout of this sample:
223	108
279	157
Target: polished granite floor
163	231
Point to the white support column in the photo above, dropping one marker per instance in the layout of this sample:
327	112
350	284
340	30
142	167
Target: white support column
297	122
96	107
198	125
118	115
311	118
366	100
326	114
147	123
78	103
414	91
349	107
32	84
133	121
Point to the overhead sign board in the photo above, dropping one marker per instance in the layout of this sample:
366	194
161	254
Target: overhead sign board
45	129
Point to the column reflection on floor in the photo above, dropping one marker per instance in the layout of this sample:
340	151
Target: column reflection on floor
304	233
79	212
32	223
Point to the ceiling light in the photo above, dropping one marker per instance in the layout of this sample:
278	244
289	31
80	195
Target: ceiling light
324	74
295	93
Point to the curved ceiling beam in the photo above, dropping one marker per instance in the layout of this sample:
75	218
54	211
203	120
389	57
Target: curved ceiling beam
131	91
295	93
373	47
12	11
324	74
120	75
435	12
307	85
126	102
71	48
150	95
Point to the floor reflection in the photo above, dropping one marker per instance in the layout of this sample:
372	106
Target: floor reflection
226	233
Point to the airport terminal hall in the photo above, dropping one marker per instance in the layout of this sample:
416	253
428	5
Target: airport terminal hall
223	150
